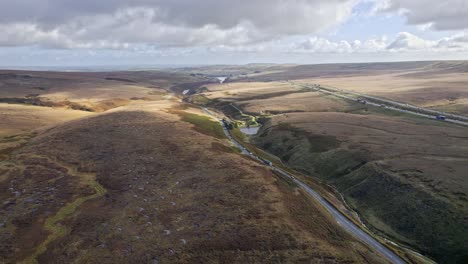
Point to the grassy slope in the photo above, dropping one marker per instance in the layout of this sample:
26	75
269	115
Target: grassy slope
53	223
173	195
203	124
415	213
384	199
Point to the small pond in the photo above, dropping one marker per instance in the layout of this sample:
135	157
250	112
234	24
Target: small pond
250	130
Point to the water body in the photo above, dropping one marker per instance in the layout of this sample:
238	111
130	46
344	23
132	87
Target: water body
250	130
221	79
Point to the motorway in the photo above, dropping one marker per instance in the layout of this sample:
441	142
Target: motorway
342	220
461	120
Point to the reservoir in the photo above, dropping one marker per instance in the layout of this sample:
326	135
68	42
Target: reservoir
221	79
250	130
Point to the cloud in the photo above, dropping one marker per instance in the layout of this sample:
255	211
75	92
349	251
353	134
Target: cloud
24	34
169	23
436	14
322	45
403	42
273	29
408	41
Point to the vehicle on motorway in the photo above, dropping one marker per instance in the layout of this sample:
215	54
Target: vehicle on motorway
440	117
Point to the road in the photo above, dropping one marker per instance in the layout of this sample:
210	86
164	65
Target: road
342	220
404	108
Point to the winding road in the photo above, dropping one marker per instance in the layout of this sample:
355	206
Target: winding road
342	220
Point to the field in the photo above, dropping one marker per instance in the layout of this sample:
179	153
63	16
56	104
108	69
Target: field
17	119
88	91
405	175
119	167
437	85
240	91
151	180
445	92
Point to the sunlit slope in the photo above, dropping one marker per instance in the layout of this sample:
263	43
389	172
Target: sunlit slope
141	184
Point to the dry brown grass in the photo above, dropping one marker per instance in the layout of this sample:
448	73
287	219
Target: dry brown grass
436	84
405	175
95	91
245	90
404	146
173	194
297	102
177	195
18	119
444	91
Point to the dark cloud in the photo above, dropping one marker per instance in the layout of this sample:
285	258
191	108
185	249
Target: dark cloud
226	25
287	16
441	14
74	23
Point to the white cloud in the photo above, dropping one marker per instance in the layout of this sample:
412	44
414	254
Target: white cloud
408	41
321	45
403	42
457	42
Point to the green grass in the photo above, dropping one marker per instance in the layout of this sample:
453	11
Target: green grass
238	135
200	99
249	120
224	148
203	124
242	138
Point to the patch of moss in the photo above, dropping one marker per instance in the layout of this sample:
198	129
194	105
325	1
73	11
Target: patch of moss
203	124
200	99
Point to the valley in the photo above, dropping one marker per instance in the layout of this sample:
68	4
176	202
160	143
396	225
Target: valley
152	180
116	167
387	164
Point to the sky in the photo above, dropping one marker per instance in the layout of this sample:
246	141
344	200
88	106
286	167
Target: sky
198	32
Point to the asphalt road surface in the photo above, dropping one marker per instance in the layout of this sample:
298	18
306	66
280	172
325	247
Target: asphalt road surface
342	220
